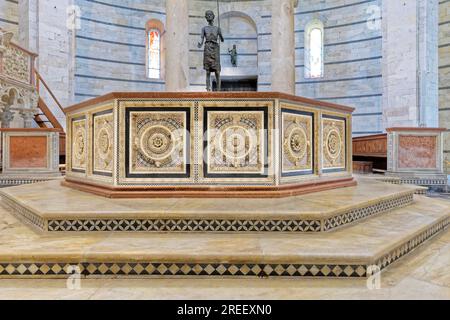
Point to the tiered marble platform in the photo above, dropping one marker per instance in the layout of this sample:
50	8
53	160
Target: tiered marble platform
65	209
347	252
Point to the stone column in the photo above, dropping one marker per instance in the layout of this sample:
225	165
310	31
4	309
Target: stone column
283	46
28	24
410	63
176	41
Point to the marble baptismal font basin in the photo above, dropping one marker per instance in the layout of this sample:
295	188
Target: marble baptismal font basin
131	145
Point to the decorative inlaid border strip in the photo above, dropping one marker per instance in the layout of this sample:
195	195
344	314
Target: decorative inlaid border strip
367	211
205	225
181	269
405	248
22	213
19	181
172	269
184	225
224	225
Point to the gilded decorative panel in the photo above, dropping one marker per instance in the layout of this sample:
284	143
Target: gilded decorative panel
235	144
79	144
334	143
297	142
103	143
158	142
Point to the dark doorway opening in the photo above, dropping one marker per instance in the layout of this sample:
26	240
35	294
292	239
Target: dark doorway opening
237	85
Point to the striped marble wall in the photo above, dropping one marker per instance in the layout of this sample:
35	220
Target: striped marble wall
9	16
444	74
353	58
111	46
110	49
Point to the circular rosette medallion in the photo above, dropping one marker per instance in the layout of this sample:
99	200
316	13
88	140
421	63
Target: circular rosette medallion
104	143
79	146
334	144
236	145
296	143
160	146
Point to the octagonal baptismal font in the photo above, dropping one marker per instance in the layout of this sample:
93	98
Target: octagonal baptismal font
176	150
208	144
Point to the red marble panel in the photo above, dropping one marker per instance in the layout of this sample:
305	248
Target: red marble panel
28	152
417	152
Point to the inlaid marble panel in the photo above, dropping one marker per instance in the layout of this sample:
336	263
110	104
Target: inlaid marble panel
297	142
103	142
28	152
158	142
333	144
416	151
79	144
235	144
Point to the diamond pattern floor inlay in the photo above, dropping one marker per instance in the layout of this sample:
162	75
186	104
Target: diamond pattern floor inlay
346	252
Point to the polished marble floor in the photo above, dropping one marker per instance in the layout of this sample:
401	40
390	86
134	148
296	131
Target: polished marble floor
63	203
359	243
423	275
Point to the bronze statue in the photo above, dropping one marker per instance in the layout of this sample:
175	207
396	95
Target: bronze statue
211	59
233	56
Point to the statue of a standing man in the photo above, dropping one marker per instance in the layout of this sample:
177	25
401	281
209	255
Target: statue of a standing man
211	59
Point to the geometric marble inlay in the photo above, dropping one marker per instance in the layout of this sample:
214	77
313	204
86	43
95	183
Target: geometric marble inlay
79	144
334	143
103	142
158	142
235	143
244	145
297	143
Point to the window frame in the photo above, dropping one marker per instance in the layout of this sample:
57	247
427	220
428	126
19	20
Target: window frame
154	25
310	27
149	54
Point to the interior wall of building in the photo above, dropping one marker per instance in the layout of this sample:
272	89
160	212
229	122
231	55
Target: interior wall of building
352	59
111	46
245	24
107	51
9	16
444	76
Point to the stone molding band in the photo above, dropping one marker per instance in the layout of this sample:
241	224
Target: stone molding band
24	269
227	225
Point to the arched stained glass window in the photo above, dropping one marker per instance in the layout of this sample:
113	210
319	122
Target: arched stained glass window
154	54
314	50
316	53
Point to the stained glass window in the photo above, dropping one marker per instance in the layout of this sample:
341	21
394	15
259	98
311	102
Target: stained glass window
154	54
316	53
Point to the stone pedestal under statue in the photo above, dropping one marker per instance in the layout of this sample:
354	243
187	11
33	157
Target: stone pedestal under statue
415	156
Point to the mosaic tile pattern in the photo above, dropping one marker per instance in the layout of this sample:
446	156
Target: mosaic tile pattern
361	213
217	225
334	137
103	142
298	144
159	142
235	142
105	269
79	145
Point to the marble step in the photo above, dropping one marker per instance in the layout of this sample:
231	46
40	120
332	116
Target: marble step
61	209
346	253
